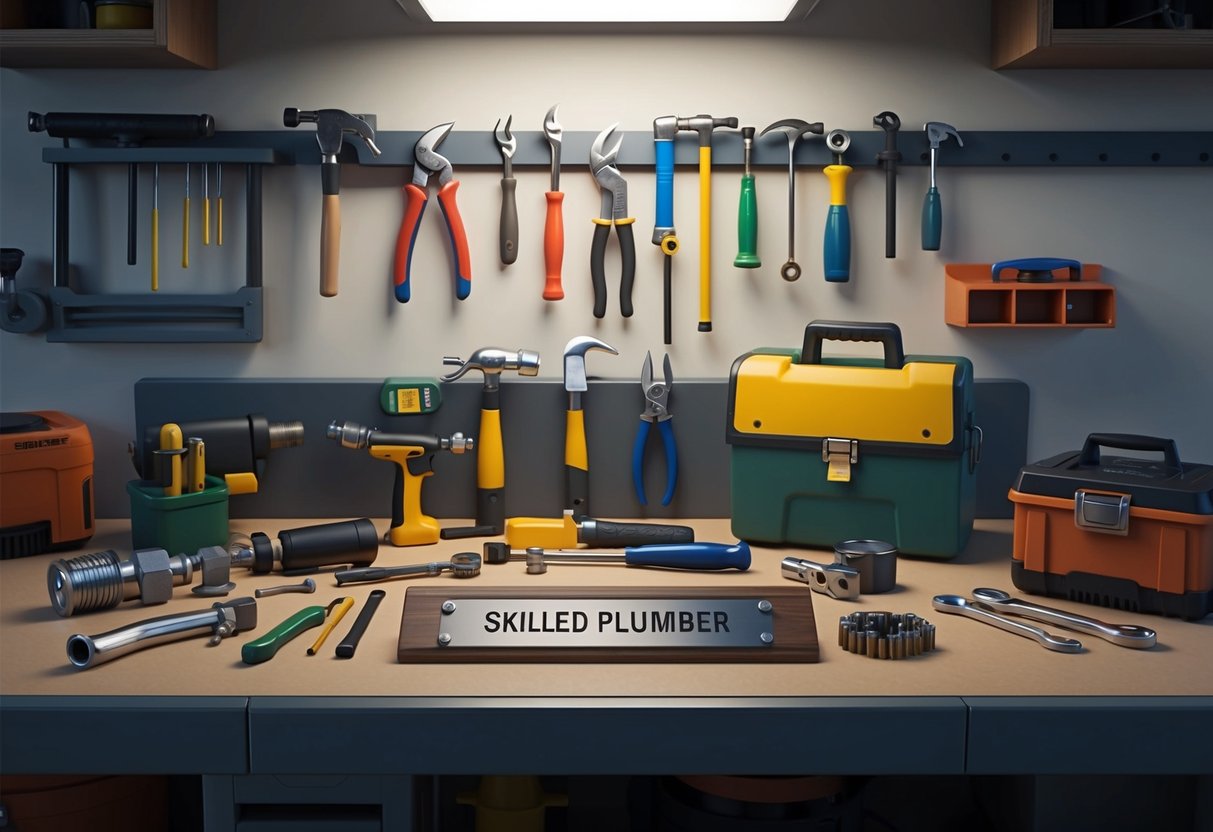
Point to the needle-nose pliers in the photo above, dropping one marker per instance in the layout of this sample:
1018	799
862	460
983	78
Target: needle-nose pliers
614	212
428	162
656	409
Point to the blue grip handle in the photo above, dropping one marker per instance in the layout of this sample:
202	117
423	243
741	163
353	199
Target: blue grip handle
642	436
837	246
1038	264
671	460
932	220
665	182
705	556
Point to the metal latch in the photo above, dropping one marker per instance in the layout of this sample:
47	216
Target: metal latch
1108	513
840	455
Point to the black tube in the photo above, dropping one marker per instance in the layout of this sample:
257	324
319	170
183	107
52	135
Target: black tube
607	535
126	129
308	548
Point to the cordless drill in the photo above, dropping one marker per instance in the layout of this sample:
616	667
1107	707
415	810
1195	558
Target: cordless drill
413	455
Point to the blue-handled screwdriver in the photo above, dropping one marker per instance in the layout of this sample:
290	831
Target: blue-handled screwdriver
932	208
696	556
836	249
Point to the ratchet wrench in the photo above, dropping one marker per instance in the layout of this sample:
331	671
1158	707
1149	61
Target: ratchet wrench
1123	635
461	565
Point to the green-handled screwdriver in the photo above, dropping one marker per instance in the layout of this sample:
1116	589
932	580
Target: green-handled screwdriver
747	212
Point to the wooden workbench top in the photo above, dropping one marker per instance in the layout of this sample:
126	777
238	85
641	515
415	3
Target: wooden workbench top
972	659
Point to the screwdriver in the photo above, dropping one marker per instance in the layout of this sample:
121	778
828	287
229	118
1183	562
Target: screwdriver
837	246
697	556
219	204
747	212
206	204
185	222
155	228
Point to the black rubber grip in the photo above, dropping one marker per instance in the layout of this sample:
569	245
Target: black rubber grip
888	334
345	650
577	490
464	532
1129	442
597	271
627	254
330	178
309	548
605	534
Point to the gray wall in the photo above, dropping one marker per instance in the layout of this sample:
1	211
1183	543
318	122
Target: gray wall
925	59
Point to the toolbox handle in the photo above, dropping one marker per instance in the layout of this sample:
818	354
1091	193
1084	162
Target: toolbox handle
885	333
1037	264
1129	442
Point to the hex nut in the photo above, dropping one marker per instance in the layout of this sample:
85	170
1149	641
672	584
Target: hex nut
154	574
216	565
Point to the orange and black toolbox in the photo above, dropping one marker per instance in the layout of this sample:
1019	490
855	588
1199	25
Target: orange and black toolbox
1128	532
46	483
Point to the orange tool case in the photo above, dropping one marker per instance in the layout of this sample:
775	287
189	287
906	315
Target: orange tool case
46	483
1125	532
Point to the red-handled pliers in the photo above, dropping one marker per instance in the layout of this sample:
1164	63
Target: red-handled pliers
656	409
428	163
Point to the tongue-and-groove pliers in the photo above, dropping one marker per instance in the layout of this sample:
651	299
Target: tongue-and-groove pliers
656	409
614	212
429	162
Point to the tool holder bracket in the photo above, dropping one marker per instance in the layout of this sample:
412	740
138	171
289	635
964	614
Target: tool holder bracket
158	318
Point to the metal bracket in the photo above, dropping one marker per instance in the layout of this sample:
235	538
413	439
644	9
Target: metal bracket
839	455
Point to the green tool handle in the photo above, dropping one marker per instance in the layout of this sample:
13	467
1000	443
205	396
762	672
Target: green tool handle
263	649
747	226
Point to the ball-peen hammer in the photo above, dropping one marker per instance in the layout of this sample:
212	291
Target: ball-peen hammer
490	453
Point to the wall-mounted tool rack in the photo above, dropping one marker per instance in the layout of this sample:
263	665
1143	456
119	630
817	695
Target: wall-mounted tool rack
158	318
237	317
981	148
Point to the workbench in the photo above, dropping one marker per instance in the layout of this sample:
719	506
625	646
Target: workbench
985	702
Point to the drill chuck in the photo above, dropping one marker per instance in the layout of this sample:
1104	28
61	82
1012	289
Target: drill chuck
349	434
354	435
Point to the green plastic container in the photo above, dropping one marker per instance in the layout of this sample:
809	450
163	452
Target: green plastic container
905	446
181	524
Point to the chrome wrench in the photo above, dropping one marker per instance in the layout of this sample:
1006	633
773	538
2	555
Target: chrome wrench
959	605
1123	635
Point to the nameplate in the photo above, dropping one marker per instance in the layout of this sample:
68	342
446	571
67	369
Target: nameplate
572	624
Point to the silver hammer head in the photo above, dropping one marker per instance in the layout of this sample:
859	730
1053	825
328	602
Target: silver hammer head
704	124
575	380
793	128
331	125
494	361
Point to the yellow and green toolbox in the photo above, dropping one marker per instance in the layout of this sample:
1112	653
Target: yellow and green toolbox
830	449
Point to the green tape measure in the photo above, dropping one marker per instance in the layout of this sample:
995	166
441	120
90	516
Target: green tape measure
410	396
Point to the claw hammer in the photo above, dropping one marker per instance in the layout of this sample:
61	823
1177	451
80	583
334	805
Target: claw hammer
331	127
704	125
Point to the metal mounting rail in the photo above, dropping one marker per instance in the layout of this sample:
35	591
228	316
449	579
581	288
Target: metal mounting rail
477	148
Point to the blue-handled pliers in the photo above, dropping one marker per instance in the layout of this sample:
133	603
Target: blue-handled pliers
656	409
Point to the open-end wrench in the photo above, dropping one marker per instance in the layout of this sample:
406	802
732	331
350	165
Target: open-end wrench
959	605
508	143
793	129
553	226
1124	635
461	565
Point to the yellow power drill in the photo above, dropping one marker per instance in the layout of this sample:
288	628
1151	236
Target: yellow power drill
413	454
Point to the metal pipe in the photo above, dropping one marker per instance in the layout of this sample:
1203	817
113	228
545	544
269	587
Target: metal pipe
86	651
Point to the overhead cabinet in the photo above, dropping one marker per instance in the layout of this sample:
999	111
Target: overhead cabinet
182	36
1059	34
